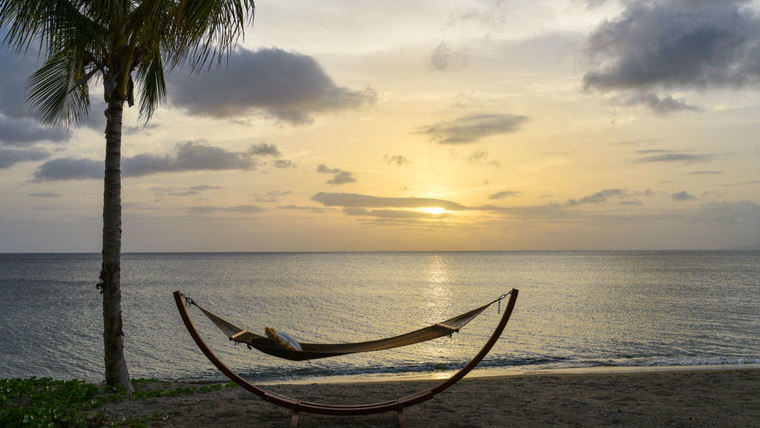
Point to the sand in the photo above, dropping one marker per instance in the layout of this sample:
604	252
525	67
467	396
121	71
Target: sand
727	397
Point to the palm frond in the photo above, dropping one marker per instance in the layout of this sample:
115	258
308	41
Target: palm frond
51	23
150	74
23	21
207	31
103	11
58	92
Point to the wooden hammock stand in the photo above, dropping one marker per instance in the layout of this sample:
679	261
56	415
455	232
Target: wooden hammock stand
297	406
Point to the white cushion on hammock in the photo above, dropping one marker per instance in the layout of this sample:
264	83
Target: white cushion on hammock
283	340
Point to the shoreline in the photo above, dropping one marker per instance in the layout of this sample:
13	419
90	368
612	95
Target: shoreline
684	397
496	372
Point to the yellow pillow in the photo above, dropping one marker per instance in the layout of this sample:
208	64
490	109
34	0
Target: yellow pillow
284	340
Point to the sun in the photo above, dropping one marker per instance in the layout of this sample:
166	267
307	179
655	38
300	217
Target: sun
433	210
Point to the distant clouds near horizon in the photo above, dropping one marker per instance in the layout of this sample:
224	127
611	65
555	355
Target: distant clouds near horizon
605	124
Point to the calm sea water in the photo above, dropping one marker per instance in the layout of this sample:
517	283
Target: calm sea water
576	309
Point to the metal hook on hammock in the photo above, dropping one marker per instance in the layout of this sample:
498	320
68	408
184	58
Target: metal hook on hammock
498	302
188	300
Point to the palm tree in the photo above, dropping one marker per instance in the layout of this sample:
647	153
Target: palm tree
123	43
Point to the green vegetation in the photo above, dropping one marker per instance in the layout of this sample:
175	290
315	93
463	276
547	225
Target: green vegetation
45	402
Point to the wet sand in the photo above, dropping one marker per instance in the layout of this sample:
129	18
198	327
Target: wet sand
726	397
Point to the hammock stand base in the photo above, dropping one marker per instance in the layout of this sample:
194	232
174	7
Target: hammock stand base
298	406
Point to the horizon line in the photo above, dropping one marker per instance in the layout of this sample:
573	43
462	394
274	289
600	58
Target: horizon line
392	251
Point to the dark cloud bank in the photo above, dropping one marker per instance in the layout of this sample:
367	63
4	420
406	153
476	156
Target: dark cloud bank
189	156
665	45
288	86
20	132
12	156
18	126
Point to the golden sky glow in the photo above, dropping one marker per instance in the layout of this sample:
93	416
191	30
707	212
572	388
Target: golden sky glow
456	125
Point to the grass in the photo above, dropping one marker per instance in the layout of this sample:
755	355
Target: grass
46	402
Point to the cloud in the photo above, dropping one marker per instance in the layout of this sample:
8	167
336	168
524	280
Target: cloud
264	149
682	196
632	203
12	156
445	58
550	213
355	200
142	129
504	194
398	160
668	156
288	86
651	151
676	44
44	195
96	118
69	169
15	70
480	156
705	172
302	208
663	105
239	209
185	191
598	197
392	214
283	163
469	129
189	156
18	125
25	131
273	196
340	176
323	169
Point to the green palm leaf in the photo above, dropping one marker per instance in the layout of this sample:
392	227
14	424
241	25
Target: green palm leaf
58	91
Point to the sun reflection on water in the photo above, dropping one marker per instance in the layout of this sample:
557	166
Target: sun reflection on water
438	299
438	291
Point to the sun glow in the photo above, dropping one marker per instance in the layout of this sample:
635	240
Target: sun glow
433	210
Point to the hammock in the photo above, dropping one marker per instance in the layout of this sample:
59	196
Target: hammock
297	406
312	351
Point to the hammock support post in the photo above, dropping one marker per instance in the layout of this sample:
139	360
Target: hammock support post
297	406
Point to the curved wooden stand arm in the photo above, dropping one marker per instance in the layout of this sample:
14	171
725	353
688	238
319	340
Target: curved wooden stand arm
342	409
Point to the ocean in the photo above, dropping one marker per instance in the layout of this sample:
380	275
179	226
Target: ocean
575	310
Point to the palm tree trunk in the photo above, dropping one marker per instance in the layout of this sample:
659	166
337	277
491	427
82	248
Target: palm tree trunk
110	273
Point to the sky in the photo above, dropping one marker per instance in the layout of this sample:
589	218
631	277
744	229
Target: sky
420	125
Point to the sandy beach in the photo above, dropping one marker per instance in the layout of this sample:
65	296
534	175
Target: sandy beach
722	397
